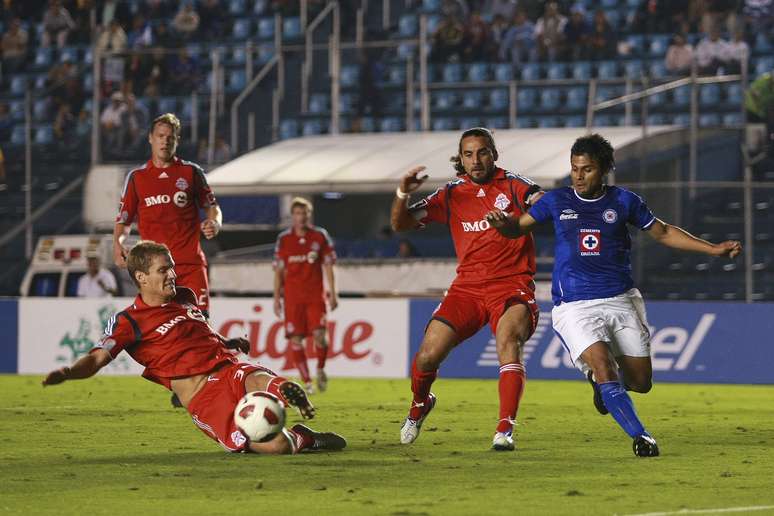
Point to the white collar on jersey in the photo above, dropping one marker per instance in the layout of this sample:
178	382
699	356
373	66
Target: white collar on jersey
604	193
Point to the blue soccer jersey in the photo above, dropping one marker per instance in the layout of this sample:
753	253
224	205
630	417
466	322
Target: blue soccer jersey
593	247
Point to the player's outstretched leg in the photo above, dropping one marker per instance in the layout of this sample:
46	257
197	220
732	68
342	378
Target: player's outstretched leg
409	431
308	439
511	388
321	348
621	407
292	394
299	359
598	403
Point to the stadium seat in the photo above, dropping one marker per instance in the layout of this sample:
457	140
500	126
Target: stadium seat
260	7
391	124
498	122
167	105
347	103
318	103
88	56
575	121
312	128
264	53
367	124
762	43
291	28
613	18
349	76
633	69
607	70
396	75
478	72
734	93
530	72
549	99
503	72
88	81
236	81
443	124
433	21
40	109
608	4
658	70
525	122
605	120
444	99
468	122
658	99
636	44
548	122
18	84
431	6
44	135
581	70
236	7
288	129
408	26
498	99
681	119
41	81
681	96
709	94
17	135
732	119
709	120
577	98
265	28
43	58
556	71
241	30
187	109
526	100
659	43
608	93
657	119
763	65
451	72
69	54
16	108
238	55
406	51
472	99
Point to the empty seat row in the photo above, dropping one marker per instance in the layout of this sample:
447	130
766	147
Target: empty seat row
264	28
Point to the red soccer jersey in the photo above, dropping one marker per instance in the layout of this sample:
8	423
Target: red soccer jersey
302	258
171	341
482	253
166	204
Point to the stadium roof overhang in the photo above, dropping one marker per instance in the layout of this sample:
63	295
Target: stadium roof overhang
371	163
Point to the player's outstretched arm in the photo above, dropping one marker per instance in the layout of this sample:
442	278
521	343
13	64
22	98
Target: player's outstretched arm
678	238
331	294
400	218
85	367
120	232
214	221
278	280
508	226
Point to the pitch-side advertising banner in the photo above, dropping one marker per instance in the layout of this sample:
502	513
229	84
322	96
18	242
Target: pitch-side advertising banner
366	337
690	343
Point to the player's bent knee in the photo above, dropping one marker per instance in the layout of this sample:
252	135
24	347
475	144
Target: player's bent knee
642	386
258	381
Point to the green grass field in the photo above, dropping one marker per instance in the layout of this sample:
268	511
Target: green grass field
114	445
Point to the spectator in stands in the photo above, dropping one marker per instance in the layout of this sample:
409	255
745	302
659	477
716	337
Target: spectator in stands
518	44
81	13
6	122
737	52
163	37
83	124
759	103
719	15
455	8
113	39
679	56
186	21
447	40
156	10
158	76
653	16
64	123
14	47
110	120
134	123
406	249
504	8
759	16
711	53
477	40
109	10
98	281
212	22
497	31
549	32
57	24
576	35
369	98
602	38
184	74
141	34
222	150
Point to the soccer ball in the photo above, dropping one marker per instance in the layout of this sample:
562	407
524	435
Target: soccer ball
260	416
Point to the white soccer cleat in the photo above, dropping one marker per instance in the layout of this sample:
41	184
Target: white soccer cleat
410	429
322	381
309	388
503	442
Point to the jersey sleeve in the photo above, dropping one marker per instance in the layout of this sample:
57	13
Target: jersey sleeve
280	254
639	213
327	250
525	189
541	211
127	209
202	191
433	208
121	331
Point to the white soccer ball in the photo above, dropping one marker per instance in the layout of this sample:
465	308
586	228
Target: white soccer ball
260	416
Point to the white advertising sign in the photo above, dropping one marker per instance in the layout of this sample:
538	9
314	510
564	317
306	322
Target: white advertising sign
367	338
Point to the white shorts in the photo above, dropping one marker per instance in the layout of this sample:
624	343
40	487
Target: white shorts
619	321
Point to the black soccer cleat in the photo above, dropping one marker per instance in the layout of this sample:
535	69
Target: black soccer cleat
599	403
322	440
645	446
295	396
176	401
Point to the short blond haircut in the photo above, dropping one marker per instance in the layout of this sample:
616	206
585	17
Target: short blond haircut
167	118
300	201
141	256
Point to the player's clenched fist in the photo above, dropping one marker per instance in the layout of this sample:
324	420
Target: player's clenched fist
730	248
497	218
412	180
119	256
210	228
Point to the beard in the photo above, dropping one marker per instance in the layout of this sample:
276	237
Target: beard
484	179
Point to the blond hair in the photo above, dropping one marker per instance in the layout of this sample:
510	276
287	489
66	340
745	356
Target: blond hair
300	201
141	256
167	118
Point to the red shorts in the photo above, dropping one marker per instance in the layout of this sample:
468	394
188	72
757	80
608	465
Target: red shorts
212	409
301	319
467	307
195	278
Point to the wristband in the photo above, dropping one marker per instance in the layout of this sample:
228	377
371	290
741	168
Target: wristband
400	194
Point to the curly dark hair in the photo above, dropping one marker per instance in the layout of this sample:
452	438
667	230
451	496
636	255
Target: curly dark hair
598	149
483	132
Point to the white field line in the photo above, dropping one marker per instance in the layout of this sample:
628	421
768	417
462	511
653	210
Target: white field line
707	511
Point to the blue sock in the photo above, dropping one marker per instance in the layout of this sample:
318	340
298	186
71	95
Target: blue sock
621	408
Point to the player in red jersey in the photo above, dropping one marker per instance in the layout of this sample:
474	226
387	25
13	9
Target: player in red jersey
165	331
494	282
301	255
164	197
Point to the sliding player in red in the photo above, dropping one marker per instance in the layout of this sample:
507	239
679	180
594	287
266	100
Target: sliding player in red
165	331
494	282
302	253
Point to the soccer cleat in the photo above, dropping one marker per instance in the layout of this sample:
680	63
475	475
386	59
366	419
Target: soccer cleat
503	441
322	380
645	446
321	440
599	403
295	396
410	429
176	401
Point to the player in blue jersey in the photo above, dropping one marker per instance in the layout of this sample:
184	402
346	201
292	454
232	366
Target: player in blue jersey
598	314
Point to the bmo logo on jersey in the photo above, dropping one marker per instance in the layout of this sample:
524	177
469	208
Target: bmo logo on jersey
477	226
180	199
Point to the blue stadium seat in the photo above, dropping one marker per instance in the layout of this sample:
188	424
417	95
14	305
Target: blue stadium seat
241	30
613	18
88	81
497	122
636	43
264	54
408	25
547	122
556	71
452	72
763	65
549	99
236	7
608	93
44	135
312	128
503	72
605	120
498	99
433	21
167	105
525	122
391	124
349	76
577	98
709	94
40	81
237	80
17	135
69	54
18	84
16	108
575	121
431	6
633	69
734	93
681	96
187	109
291	28
530	72
762	43
658	69
288	129
659	43
265	28
633	4
260	7
43	58
347	103
367	124
88	56
396	75
682	119
658	99
443	124
526	100
732	119
318	103
608	4
657	119
444	99
709	120
238	55
468	122
406	51
581	70
472	99
607	70
40	109
478	72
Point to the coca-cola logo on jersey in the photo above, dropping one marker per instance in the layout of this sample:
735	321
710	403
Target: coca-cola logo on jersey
267	338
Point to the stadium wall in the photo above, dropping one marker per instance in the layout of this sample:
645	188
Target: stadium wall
691	342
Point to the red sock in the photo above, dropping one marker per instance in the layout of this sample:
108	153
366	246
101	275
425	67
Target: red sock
299	359
322	355
300	441
511	387
420	386
273	387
